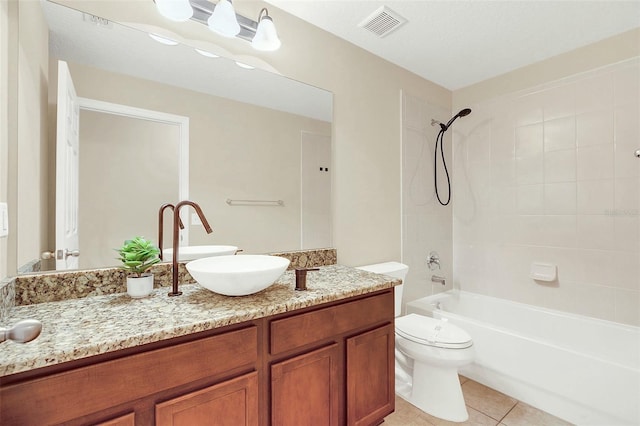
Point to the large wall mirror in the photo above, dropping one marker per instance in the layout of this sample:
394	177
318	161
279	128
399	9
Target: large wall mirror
159	123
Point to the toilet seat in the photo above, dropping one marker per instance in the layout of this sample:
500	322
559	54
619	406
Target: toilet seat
432	332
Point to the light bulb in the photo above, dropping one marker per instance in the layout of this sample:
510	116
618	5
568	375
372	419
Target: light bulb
266	38
176	10
223	20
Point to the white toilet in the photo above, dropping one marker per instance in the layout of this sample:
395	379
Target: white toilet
428	354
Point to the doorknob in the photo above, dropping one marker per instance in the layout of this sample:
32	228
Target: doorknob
67	253
47	255
59	254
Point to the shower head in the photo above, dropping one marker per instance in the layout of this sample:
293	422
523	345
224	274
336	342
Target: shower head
462	113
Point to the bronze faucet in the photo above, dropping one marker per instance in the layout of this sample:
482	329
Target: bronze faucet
176	224
161	224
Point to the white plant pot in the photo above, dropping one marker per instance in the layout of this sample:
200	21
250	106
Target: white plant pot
138	287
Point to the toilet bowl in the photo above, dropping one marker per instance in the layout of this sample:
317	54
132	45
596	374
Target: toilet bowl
428	354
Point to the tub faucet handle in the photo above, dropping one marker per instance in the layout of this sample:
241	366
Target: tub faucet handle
433	261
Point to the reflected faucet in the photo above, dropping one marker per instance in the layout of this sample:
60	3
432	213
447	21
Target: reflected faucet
176	224
161	224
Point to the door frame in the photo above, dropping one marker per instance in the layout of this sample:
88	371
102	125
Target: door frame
159	117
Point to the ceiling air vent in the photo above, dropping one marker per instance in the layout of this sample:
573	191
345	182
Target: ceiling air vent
382	22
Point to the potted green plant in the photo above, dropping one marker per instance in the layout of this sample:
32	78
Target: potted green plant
137	256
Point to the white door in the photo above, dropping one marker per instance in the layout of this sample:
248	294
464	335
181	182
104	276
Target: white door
67	165
315	197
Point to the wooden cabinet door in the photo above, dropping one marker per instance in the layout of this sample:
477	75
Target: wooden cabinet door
305	390
230	403
370	376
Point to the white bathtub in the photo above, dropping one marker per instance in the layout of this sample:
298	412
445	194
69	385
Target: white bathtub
583	370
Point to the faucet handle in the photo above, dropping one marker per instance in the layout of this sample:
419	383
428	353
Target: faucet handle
301	278
433	261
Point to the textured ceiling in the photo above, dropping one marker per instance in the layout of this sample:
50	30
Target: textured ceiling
456	43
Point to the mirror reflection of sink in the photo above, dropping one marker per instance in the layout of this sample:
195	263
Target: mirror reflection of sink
237	275
198	252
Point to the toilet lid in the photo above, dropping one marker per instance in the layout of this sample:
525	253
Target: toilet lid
432	332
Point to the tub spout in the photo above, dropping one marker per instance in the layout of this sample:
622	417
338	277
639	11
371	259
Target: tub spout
438	279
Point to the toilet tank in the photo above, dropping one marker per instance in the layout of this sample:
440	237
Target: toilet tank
395	270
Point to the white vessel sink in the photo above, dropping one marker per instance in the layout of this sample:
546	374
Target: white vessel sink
237	275
198	252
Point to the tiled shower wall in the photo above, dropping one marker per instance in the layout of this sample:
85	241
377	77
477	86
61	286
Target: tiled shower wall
426	225
549	175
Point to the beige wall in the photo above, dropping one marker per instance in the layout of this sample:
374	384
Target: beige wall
23	149
32	132
605	52
366	126
128	168
236	150
4	122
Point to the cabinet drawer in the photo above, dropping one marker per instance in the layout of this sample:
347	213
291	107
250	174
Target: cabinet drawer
299	330
108	384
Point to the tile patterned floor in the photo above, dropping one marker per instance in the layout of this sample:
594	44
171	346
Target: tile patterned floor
486	407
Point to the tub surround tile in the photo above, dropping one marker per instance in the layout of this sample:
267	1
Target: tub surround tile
57	286
82	327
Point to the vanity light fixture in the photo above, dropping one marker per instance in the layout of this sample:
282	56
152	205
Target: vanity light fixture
266	38
222	19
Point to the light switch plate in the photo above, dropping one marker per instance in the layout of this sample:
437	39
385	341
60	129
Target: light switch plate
4	220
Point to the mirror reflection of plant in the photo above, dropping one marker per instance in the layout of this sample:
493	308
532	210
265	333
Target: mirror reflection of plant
138	255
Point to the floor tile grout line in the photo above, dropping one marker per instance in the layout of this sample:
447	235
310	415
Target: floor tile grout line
510	410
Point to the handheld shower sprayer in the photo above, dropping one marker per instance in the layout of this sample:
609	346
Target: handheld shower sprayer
440	141
462	113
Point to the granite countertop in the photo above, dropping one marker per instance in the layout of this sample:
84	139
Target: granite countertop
79	328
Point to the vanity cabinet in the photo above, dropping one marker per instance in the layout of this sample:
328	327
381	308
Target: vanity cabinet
305	390
126	389
370	376
230	403
324	365
126	420
334	365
